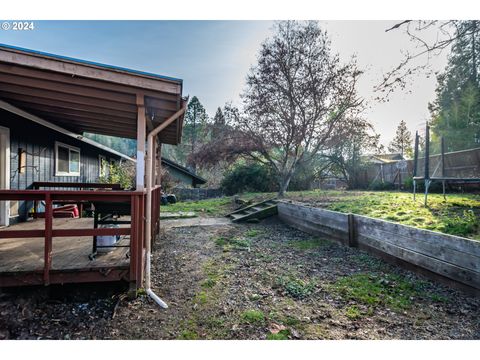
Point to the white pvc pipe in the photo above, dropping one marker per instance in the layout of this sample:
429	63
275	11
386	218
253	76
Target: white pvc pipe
148	213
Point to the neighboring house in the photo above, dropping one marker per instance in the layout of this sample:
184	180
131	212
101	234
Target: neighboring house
182	174
385	168
41	151
383	158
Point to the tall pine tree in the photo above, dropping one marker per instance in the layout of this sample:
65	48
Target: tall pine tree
402	142
195	125
456	110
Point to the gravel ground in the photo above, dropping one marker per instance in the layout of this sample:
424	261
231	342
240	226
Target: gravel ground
250	281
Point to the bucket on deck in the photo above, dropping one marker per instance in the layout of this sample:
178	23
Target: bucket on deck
107	240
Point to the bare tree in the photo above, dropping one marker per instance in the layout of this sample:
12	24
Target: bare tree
295	97
354	139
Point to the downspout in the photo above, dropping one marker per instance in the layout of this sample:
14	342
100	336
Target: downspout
148	214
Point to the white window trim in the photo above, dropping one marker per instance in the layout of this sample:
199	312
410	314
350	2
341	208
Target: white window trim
70	147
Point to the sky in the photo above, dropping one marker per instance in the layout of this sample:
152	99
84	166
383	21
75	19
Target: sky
214	57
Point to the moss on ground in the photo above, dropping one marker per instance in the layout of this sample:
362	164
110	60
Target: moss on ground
309	244
253	317
388	290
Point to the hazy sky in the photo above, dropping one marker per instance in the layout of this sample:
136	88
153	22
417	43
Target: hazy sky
213	57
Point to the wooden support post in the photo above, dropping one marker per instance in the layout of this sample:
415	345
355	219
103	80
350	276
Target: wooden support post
426	176
415	165
351	231
141	138
132	293
443	167
141	242
48	239
159	165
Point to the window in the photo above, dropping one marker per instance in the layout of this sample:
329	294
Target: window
67	160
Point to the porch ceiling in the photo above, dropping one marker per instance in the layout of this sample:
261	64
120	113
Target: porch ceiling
88	97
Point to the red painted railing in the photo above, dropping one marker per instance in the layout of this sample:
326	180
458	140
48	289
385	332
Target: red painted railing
136	199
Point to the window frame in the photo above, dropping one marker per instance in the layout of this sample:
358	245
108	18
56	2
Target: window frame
70	148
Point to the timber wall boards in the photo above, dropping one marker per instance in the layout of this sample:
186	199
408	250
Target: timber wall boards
453	259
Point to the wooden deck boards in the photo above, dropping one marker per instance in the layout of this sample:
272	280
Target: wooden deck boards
69	253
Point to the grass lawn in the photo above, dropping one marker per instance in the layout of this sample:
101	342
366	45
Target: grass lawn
458	215
209	207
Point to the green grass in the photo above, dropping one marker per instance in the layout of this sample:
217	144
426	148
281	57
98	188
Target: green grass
281	335
234	243
253	317
253	233
188	335
353	312
201	298
458	215
309	244
212	207
388	290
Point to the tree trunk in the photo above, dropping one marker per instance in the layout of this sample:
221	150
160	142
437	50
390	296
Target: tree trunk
284	182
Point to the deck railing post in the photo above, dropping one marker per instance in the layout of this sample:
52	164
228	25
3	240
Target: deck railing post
48	239
133	245
141	241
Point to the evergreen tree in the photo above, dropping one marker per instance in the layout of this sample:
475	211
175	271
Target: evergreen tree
219	123
456	110
402	142
195	124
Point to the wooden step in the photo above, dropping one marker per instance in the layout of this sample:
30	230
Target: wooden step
261	214
261	204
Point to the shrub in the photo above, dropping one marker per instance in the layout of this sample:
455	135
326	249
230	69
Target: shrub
117	173
249	177
381	186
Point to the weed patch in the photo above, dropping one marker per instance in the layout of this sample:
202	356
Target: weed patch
253	316
233	243
309	244
281	335
253	233
388	290
353	312
295	288
188	335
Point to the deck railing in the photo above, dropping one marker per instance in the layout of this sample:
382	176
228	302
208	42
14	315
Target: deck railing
136	231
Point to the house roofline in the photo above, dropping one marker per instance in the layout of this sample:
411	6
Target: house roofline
26	115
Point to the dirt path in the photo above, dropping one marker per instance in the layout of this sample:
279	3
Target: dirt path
256	281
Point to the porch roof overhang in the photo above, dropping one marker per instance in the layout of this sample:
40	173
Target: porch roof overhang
83	96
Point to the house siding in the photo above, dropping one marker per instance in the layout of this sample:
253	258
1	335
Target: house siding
39	143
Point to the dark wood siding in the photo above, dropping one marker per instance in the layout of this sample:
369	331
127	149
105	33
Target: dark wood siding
39	143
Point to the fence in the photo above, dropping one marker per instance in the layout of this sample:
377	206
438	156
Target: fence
450	257
459	164
196	194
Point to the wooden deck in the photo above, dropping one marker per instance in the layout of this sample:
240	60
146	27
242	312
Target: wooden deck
69	254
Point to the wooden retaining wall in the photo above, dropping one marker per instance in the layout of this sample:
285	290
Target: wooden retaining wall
451	257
